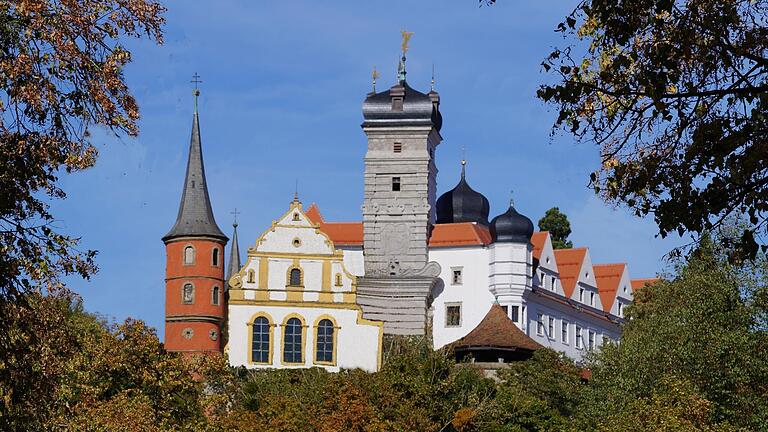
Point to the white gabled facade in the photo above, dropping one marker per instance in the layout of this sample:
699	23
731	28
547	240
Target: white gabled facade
292	304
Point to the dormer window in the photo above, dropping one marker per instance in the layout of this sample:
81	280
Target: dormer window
581	295
591	299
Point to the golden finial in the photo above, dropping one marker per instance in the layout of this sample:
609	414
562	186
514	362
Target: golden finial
375	74
406	37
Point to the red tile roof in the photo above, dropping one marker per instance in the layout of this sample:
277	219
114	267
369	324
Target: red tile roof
538	240
443	235
459	234
496	330
341	233
639	283
607	277
569	262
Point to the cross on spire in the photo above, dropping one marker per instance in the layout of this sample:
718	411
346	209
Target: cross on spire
196	80
234	213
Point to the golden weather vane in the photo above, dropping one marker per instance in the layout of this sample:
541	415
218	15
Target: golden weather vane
406	37
374	75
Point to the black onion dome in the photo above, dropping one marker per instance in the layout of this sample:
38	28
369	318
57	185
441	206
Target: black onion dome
418	109
511	227
462	204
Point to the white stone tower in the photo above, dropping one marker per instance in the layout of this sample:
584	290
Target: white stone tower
403	129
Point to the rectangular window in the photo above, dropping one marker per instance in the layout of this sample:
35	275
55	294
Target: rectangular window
505	309
551	328
591	299
620	306
515	315
396	184
453	315
540	324
579	339
397	147
554	283
564	332
581	295
456	275
591	340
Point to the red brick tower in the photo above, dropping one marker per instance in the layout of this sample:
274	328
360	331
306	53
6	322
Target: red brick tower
195	304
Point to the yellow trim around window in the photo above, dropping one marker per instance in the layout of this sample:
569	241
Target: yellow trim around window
334	341
271	337
303	340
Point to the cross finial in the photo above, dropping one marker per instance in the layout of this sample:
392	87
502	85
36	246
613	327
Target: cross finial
234	213
296	192
196	80
463	160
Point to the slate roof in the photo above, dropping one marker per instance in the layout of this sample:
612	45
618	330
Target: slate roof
496	330
419	109
234	254
195	218
462	204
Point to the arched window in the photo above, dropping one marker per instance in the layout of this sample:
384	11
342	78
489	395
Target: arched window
293	341
215	295
338	279
215	257
294	277
325	339
188	294
260	340
251	276
189	255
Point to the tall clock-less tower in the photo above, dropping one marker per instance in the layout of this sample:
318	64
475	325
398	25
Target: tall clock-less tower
195	304
403	130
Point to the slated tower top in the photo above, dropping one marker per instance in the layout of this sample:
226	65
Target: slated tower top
195	218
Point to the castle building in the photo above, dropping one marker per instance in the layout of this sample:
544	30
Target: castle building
318	293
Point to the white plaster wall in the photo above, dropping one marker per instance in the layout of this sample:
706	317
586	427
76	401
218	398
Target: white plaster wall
548	308
510	270
357	344
354	262
472	294
281	240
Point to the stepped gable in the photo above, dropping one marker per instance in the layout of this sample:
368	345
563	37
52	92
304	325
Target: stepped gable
496	331
608	277
569	262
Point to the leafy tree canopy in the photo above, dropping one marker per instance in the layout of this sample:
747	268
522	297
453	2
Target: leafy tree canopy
675	93
558	226
61	65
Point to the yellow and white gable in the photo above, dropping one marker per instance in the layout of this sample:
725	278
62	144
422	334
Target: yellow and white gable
293	303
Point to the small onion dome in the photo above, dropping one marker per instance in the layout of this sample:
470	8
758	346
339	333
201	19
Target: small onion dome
462	204
511	227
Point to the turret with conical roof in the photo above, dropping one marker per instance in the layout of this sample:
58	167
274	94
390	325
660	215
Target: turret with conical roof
234	254
195	304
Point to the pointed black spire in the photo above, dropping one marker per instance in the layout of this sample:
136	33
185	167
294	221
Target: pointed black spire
234	253
195	218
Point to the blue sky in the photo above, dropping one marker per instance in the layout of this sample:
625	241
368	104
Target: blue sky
283	84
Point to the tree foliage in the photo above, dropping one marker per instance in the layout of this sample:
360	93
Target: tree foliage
693	341
61	64
675	94
558	226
